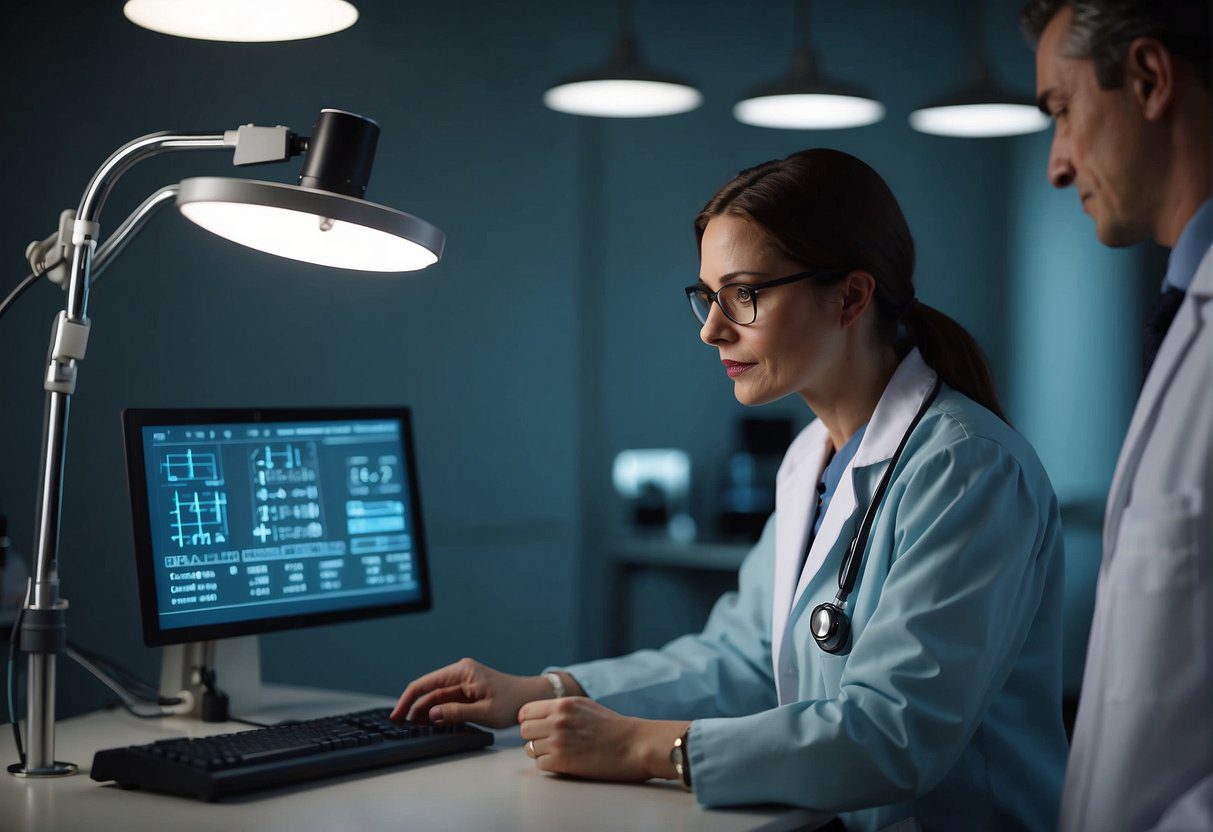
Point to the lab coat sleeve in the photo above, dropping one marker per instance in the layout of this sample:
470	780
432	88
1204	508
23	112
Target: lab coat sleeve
972	554
1192	811
723	671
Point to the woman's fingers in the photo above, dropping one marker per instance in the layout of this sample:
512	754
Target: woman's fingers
537	748
420	709
447	676
540	709
536	729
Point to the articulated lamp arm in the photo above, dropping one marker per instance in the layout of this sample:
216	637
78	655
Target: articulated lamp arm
44	632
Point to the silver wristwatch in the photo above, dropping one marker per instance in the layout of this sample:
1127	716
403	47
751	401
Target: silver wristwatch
680	757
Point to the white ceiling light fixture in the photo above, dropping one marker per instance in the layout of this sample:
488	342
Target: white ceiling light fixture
624	87
804	99
981	109
242	21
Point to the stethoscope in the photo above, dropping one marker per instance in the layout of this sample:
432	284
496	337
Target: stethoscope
829	623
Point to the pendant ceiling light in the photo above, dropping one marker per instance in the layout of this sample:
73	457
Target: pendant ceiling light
624	87
982	108
804	99
242	21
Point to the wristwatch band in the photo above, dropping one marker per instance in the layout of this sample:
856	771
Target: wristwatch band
680	756
557	685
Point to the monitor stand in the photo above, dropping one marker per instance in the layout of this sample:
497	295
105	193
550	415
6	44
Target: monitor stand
237	664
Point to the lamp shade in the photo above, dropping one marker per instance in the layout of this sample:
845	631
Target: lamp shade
310	224
803	100
980	110
242	20
623	88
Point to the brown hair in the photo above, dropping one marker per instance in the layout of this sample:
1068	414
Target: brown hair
826	209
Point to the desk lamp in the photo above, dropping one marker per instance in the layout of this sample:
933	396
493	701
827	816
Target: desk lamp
324	219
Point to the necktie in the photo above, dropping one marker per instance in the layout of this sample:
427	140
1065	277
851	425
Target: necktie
1160	321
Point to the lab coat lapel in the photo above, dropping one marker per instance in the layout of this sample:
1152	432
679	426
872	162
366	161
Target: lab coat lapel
893	414
1174	347
794	514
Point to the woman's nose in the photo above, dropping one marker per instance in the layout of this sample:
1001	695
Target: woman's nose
717	328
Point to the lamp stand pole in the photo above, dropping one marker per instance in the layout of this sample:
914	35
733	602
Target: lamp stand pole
43	629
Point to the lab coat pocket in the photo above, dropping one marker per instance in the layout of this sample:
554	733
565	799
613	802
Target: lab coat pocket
1154	576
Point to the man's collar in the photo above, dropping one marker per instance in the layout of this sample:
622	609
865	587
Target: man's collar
1191	247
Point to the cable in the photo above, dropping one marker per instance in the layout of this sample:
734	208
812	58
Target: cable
16	293
12	668
128	700
134	713
139	688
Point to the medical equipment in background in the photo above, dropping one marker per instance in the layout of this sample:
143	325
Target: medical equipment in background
749	494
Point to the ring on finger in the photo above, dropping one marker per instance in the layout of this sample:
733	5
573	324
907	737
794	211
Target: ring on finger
530	748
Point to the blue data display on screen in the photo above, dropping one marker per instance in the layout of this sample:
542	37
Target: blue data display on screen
264	520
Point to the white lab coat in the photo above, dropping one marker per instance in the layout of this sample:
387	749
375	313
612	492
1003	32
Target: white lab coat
948	707
1142	755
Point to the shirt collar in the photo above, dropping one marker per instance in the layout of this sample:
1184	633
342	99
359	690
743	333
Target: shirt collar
910	385
1193	243
833	472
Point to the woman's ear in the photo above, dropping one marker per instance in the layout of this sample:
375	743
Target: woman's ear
858	289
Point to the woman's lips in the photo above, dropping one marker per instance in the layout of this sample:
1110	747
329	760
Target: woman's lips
736	368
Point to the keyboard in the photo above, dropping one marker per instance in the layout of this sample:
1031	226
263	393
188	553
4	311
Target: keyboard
225	764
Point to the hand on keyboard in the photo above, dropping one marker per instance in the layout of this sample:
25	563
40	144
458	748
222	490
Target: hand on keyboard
468	691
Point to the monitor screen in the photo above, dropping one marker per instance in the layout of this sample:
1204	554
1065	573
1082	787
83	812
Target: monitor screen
257	520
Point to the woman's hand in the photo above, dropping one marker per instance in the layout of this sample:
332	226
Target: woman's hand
468	691
577	736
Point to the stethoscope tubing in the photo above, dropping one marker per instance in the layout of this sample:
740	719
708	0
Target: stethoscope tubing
833	636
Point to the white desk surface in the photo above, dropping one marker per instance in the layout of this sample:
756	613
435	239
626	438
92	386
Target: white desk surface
498	789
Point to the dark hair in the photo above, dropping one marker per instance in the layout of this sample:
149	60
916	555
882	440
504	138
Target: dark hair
1101	31
826	209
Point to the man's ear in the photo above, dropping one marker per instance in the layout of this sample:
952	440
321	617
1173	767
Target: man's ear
1150	76
858	292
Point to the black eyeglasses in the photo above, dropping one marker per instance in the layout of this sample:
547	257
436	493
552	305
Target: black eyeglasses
739	301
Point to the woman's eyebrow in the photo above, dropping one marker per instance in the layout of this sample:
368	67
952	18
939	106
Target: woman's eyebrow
725	278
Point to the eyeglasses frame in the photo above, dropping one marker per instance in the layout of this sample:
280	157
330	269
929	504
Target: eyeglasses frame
713	297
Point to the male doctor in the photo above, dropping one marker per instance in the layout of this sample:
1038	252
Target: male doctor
1127	83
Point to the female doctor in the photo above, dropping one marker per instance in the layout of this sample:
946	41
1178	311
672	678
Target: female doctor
893	650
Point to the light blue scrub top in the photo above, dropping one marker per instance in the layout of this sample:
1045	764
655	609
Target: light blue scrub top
948	707
832	475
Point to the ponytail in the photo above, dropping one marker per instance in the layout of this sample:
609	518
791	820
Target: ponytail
953	353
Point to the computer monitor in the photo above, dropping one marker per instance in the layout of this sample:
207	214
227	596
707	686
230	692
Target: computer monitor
250	521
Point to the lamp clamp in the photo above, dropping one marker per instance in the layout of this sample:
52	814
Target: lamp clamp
261	145
52	257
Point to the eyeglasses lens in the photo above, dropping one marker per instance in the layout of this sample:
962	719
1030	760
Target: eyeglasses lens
736	301
701	305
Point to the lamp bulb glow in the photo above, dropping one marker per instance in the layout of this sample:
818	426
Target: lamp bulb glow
808	111
242	21
622	98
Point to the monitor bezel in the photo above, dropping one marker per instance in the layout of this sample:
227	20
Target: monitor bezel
135	419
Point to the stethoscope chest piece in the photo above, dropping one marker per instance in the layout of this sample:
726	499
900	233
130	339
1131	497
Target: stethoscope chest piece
831	628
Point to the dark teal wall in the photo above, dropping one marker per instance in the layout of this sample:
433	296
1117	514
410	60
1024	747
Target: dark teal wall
553	333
